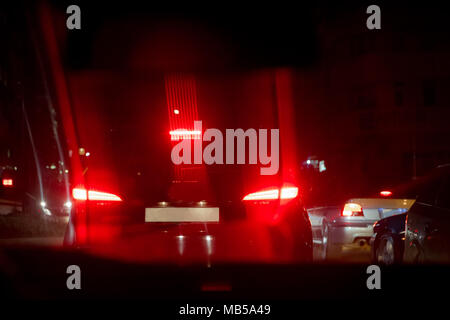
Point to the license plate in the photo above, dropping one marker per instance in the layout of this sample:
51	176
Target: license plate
185	214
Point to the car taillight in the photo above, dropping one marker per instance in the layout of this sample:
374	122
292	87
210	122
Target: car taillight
352	210
180	134
7	182
385	193
83	194
284	193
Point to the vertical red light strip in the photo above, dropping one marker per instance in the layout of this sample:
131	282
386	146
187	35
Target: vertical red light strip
176	100
62	96
190	99
193	91
179	123
58	77
183	99
285	106
181	94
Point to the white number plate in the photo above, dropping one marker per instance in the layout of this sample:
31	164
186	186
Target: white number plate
185	214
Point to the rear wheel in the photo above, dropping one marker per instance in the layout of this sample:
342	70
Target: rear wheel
386	251
329	250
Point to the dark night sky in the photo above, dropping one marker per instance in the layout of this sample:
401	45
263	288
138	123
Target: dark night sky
257	35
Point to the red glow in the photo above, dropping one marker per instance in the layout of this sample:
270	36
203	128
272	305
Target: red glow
386	193
352	209
184	134
7	182
216	287
181	94
289	193
83	194
273	194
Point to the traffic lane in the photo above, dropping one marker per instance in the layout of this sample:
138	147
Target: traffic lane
351	253
18	229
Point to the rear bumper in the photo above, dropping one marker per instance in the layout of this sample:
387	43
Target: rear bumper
344	232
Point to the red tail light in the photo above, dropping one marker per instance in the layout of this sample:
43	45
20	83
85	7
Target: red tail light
83	194
179	134
273	194
7	182
352	210
385	193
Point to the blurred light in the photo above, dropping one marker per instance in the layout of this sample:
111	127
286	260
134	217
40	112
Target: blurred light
52	166
352	209
263	195
322	166
163	203
386	193
176	111
7	182
184	134
104	196
81	151
88	154
208	240
180	244
82	194
308	161
79	194
289	192
273	194
202	203
43	204
68	204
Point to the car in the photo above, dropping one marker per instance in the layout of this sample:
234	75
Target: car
148	179
388	240
350	225
427	237
347	226
339	228
185	211
342	222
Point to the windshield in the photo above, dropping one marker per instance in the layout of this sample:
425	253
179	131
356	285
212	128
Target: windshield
184	136
140	122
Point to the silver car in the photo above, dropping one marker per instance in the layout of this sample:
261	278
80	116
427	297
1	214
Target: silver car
347	227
